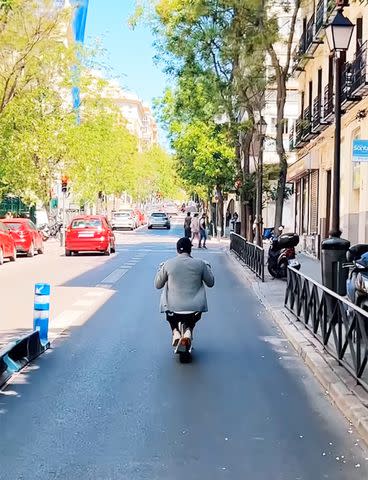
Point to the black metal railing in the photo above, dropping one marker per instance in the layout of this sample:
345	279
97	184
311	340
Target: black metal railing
307	122
340	326
292	139
309	33
359	69
317	113
320	15
328	107
298	131
250	254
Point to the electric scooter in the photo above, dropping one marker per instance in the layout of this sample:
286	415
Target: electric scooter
182	349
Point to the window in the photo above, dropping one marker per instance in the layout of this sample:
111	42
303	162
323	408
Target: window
286	126
85	223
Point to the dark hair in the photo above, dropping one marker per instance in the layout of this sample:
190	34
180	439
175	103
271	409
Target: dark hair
184	245
188	214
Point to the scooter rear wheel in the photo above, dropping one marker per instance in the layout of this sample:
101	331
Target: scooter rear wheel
185	357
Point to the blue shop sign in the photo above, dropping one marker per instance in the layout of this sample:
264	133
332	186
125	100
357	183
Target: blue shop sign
360	150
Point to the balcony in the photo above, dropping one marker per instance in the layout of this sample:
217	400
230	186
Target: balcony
306	47
291	139
320	16
328	109
359	71
318	124
307	125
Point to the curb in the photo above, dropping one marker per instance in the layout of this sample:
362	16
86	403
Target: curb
16	355
352	403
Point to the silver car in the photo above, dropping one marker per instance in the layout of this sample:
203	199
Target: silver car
124	219
159	220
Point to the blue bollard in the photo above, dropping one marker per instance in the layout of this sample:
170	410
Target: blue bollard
41	311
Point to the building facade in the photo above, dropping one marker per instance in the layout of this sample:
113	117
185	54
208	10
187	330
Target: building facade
312	136
138	115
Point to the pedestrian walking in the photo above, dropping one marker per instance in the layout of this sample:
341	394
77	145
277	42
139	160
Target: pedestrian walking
187	226
234	220
195	227
202	231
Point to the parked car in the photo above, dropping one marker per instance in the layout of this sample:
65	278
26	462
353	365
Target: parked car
7	245
159	220
89	233
26	237
124	219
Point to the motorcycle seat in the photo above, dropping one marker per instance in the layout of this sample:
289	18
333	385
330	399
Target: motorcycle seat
356	251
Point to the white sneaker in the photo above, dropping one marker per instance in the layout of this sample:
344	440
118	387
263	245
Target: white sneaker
176	338
188	334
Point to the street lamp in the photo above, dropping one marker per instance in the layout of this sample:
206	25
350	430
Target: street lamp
334	249
261	129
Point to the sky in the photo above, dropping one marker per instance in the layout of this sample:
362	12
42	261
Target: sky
129	52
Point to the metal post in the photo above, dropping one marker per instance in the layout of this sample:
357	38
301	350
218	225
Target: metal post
335	224
62	231
41	312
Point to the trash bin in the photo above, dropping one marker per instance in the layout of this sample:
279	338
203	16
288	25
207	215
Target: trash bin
238	228
333	257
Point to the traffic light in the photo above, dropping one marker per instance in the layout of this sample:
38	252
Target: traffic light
64	184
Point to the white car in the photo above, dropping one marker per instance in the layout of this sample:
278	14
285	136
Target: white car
159	220
124	219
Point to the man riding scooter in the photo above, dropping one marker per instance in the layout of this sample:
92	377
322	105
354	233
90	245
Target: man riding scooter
183	299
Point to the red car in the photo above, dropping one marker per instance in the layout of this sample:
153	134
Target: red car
26	237
7	245
89	233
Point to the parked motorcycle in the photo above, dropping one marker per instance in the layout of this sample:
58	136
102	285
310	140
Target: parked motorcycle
44	231
55	229
281	254
357	283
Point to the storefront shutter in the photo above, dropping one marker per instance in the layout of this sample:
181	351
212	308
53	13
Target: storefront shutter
314	178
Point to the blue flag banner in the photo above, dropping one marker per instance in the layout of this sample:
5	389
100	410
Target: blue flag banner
79	28
360	150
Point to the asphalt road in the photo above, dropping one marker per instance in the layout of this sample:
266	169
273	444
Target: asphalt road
111	401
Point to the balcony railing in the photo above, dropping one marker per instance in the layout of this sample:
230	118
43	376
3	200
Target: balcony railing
309	34
328	108
292	139
317	114
306	124
359	80
320	15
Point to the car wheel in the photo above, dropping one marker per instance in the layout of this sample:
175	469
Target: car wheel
31	250
1	256
149	227
41	250
108	251
113	249
168	228
68	253
14	256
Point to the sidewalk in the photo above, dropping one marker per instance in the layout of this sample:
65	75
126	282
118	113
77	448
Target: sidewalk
311	267
338	384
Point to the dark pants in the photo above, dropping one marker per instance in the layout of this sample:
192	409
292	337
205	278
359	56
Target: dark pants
187	232
202	236
188	320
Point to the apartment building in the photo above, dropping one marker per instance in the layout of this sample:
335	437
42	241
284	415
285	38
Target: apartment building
312	136
138	115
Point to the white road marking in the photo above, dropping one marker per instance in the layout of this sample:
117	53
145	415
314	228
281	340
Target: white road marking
115	275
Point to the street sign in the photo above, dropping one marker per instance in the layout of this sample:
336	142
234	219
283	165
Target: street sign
360	150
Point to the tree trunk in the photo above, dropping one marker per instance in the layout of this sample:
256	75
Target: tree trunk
281	100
